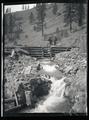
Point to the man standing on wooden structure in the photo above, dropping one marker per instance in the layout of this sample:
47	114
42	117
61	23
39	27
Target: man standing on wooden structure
55	40
50	40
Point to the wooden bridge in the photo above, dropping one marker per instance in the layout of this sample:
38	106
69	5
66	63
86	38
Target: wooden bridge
38	51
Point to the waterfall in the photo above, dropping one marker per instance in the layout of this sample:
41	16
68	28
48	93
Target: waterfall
54	99
57	88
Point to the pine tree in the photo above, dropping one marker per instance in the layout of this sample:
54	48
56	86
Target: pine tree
18	29
6	24
7	10
68	16
10	10
11	26
74	12
81	14
31	17
41	7
22	7
28	6
11	23
55	8
25	7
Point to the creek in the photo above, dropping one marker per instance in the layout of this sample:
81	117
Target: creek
54	102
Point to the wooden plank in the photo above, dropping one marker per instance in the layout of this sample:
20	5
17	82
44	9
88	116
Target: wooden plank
15	108
43	51
9	100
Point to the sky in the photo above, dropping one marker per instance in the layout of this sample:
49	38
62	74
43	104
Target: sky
15	8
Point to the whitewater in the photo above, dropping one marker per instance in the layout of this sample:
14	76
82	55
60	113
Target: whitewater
55	100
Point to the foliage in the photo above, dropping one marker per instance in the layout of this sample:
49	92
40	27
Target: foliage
81	14
18	26
11	23
41	7
74	12
55	8
12	26
31	17
68	16
57	30
8	10
22	7
6	19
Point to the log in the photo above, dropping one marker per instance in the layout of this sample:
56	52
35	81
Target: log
9	100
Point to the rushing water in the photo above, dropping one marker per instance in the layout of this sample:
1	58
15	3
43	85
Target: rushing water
49	68
55	101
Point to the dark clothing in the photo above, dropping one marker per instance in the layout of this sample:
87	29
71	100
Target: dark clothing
50	41
21	95
55	41
38	67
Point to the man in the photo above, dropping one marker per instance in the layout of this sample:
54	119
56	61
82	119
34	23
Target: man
55	40
38	66
50	40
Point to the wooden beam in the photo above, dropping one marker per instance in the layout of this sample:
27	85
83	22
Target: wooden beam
9	100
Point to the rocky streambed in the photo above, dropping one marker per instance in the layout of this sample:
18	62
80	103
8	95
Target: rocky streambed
60	86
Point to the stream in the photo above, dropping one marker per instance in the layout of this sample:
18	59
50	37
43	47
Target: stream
54	102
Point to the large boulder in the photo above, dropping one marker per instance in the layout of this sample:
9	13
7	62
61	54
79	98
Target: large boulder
39	88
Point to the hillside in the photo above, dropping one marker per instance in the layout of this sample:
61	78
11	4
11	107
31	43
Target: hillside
29	37
46	85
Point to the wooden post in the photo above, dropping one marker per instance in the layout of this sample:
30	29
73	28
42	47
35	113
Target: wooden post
28	97
14	91
16	99
49	51
42	53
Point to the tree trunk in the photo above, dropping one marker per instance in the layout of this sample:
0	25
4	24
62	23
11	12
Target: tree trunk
70	18
70	27
42	28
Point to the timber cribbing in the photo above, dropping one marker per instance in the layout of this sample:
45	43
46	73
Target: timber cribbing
38	51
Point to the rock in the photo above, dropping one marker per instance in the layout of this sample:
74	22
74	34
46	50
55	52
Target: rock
27	70
39	87
79	108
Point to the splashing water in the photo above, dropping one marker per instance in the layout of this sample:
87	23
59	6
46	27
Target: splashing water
58	87
54	100
49	68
